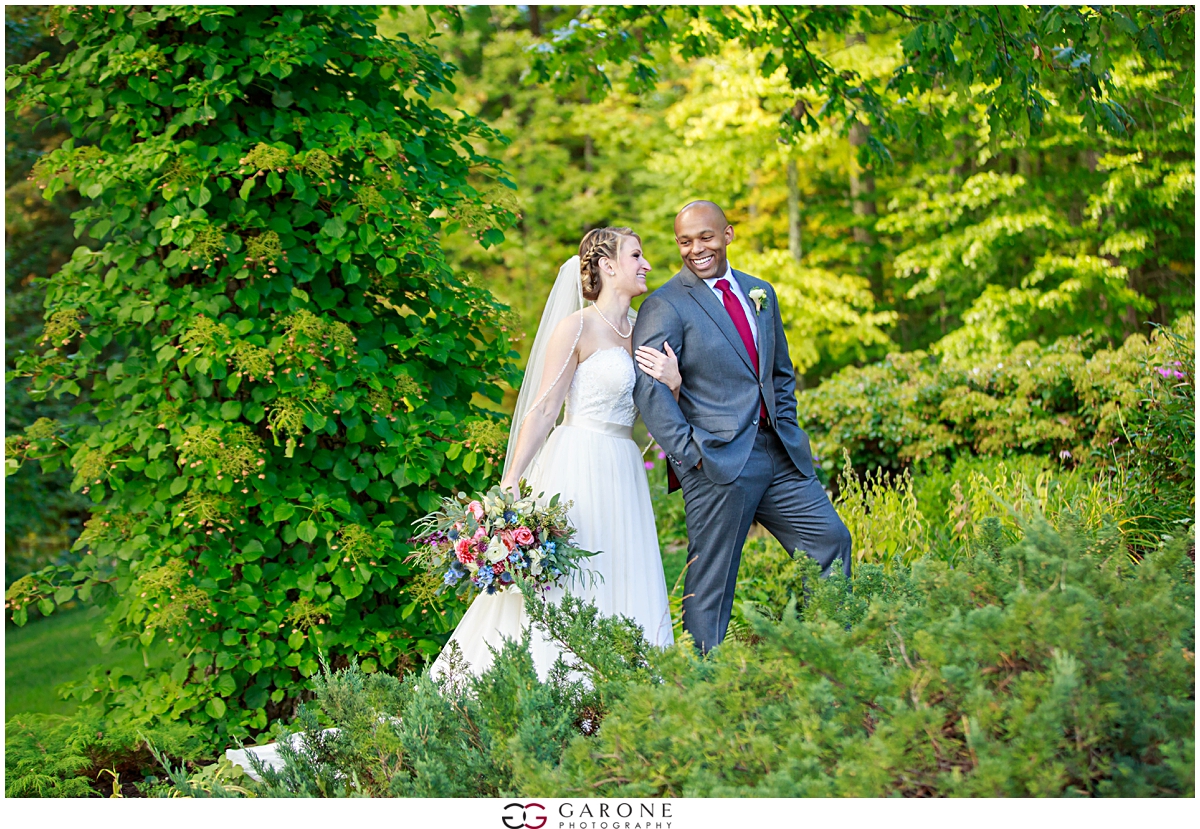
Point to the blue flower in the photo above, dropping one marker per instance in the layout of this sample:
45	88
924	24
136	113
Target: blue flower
451	578
510	517
506	577
549	548
453	534
514	557
484	576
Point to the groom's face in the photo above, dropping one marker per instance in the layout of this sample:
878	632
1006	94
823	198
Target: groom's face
702	235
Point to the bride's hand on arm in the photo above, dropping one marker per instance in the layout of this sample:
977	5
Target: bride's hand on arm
663	367
561	353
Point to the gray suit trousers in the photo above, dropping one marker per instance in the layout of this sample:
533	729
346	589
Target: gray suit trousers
770	490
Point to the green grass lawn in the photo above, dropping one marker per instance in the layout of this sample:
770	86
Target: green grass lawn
48	652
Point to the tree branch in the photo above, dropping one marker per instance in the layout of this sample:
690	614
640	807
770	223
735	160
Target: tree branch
803	46
1003	35
897	11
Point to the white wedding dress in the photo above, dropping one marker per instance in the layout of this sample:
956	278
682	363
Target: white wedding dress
592	461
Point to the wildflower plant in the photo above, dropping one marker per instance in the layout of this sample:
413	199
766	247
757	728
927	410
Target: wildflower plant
259	419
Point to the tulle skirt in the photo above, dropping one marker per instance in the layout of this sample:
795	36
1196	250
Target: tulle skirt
597	467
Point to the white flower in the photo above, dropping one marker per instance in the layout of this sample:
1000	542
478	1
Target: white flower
496	551
759	296
536	556
493	506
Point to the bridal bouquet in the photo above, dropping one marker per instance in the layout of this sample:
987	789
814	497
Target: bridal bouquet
490	541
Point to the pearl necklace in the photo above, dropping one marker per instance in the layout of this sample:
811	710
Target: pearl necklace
613	327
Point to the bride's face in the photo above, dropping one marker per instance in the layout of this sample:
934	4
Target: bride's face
629	270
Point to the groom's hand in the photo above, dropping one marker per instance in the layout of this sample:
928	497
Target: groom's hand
700	463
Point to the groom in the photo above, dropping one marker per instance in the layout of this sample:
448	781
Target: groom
732	438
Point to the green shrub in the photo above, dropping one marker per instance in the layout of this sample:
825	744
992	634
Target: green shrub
1055	666
1157	461
463	736
1050	401
86	755
1053	669
280	361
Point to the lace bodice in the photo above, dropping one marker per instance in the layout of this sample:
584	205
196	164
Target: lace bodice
602	388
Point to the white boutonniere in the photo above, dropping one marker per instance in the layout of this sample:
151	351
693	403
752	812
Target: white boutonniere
759	297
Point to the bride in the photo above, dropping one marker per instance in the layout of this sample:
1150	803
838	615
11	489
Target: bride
582	357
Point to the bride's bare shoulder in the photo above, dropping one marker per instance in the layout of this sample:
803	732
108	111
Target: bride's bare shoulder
570	330
571	325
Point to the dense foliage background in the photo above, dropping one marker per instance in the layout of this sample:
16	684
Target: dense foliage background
254	330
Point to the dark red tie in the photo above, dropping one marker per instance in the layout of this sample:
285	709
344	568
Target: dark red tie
738	314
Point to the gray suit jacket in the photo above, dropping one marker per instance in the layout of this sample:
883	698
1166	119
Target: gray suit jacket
716	418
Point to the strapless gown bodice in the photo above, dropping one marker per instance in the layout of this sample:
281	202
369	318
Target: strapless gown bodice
602	388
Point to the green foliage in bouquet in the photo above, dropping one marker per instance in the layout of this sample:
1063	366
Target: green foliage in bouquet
280	362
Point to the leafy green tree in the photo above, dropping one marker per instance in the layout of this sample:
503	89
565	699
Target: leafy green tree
42	516
1021	56
636	160
280	360
1030	167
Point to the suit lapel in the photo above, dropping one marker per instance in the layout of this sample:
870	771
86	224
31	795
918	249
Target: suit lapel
762	322
712	306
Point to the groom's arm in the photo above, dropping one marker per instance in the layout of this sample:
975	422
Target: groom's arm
658	322
782	372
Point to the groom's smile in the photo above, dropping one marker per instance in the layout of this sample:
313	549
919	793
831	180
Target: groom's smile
702	234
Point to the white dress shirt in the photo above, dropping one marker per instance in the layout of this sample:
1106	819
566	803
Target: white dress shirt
737	292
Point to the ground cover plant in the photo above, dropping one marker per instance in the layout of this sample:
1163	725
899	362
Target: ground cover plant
1055	666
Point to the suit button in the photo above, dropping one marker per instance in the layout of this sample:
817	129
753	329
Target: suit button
760	385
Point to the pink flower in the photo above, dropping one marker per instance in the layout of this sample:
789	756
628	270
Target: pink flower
476	509
479	533
523	536
462	549
649	464
509	541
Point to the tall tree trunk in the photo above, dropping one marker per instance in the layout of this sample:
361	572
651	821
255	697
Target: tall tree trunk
535	22
862	184
862	198
862	194
795	243
752	211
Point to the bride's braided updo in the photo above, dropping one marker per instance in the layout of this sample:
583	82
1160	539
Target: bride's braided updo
603	242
